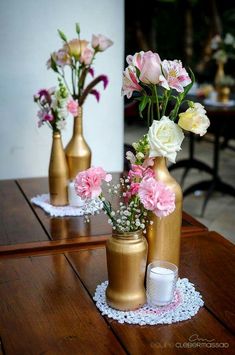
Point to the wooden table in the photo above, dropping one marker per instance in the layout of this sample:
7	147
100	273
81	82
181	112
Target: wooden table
49	269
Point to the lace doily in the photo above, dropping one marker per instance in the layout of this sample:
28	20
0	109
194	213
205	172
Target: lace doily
43	201
186	303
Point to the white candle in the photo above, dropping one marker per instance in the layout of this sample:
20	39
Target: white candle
74	199
160	287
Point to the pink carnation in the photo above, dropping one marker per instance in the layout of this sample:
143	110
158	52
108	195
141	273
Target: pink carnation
88	183
166	201
72	107
138	171
156	197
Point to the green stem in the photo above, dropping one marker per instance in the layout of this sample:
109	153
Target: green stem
157	102
167	94
149	113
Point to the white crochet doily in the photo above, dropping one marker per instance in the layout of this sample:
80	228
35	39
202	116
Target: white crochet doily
43	201
186	303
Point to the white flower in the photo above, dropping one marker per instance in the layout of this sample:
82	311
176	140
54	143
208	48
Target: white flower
194	119
165	138
60	124
229	39
131	157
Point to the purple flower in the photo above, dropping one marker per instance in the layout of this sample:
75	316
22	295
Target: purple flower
96	94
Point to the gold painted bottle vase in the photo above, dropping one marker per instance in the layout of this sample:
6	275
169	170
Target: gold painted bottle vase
126	263
219	75
58	173
78	153
164	234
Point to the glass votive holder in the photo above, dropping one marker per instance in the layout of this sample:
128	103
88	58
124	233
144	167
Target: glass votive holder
73	198
161	282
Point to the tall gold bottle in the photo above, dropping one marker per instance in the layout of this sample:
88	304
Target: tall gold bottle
164	234
58	173
78	153
219	75
126	263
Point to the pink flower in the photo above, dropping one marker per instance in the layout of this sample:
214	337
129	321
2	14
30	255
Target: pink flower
88	183
156	197
165	202
86	56
148	162
100	42
150	70
130	82
134	188
72	107
148	193
139	172
61	58
48	117
136	171
136	60
174	75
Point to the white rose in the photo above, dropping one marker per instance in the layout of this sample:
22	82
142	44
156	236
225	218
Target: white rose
165	138
194	119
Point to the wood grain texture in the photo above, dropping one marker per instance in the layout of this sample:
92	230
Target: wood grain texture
18	223
163	339
74	227
44	309
209	262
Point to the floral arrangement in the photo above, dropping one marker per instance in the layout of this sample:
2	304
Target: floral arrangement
223	48
139	192
78	55
161	86
53	107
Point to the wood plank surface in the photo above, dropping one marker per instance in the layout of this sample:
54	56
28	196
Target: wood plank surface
44	309
67	227
18	223
163	339
75	227
209	262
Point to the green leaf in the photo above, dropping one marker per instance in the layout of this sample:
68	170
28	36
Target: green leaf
78	29
62	36
142	104
53	65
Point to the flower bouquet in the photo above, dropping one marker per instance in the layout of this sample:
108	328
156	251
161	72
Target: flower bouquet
138	193
75	61
161	87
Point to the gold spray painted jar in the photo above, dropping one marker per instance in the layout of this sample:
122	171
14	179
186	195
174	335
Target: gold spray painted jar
126	263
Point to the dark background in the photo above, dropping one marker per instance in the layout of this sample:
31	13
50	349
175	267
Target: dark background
180	29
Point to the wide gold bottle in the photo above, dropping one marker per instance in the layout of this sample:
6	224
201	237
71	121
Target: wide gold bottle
164	234
126	263
58	173
78	153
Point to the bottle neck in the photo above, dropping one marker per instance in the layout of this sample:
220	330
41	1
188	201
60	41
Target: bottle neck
160	169
77	126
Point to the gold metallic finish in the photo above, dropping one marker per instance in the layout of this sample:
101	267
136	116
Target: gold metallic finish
163	235
58	173
78	153
219	73
223	94
126	263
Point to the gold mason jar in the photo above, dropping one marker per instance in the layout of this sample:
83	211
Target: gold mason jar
126	263
164	234
78	153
